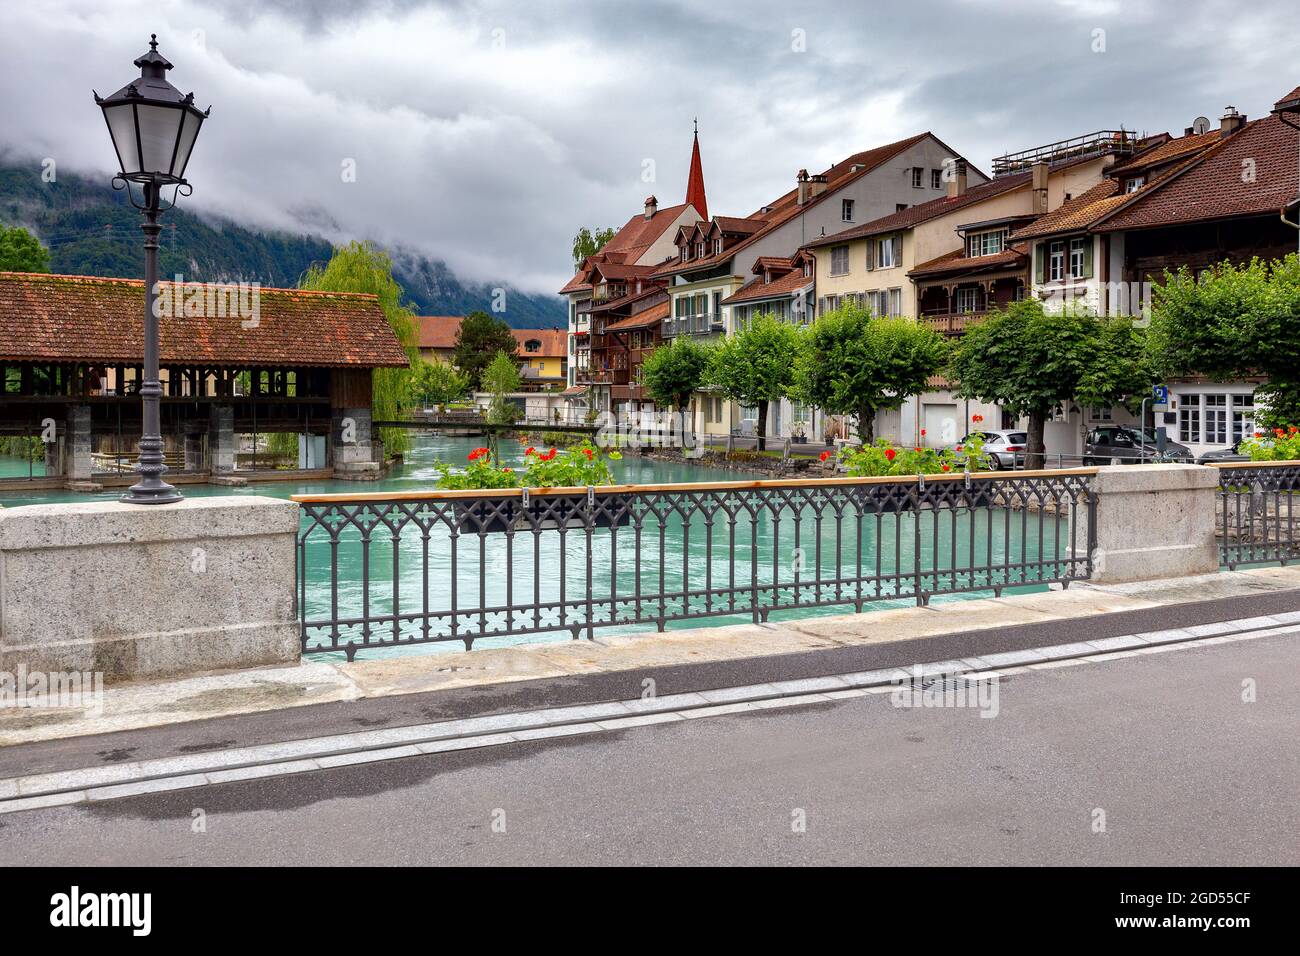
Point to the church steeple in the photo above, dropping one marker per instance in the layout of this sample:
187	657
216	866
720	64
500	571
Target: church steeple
695	184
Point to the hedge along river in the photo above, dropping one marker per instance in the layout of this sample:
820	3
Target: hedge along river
691	557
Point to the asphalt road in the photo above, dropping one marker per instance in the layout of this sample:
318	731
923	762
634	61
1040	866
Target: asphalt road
1183	769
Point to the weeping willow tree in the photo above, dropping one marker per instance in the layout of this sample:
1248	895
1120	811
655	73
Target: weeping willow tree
361	267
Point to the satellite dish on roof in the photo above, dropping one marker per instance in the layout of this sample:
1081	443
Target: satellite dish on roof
1200	125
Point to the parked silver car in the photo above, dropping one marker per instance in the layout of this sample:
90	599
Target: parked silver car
1005	447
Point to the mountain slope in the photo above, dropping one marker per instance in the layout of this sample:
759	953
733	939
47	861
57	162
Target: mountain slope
92	230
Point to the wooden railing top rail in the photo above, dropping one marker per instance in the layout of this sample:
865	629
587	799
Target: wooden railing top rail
682	486
1253	464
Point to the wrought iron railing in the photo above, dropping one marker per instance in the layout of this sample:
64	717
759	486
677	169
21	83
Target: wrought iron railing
1258	520
384	570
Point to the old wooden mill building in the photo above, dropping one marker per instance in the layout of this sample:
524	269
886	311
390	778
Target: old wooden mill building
237	366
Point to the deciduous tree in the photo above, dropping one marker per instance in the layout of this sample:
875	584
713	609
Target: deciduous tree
756	366
20	251
363	267
478	341
1029	360
588	242
855	364
1231	322
674	372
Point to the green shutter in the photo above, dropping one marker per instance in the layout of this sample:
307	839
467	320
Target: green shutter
1087	257
1040	263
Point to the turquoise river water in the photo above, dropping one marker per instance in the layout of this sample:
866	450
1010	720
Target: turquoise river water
693	561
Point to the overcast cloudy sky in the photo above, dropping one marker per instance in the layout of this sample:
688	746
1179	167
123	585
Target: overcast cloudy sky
485	133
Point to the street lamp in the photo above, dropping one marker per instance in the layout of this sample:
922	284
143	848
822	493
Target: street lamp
153	127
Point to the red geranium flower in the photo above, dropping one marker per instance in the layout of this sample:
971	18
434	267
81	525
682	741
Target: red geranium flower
977	418
922	431
476	454
890	453
548	456
947	468
825	455
587	452
530	450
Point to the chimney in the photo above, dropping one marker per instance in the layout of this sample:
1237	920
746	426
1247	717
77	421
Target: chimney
651	207
801	180
1038	183
957	185
1231	121
817	185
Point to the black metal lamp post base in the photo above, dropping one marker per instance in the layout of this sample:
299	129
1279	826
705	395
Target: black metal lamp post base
151	491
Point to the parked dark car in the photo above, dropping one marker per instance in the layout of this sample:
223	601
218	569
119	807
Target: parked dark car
1128	446
1224	454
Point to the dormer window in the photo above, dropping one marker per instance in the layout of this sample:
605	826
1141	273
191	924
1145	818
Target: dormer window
1134	183
807	270
717	247
699	250
532	345
987	243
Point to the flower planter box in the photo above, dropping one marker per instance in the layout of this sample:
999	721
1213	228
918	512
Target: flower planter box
492	517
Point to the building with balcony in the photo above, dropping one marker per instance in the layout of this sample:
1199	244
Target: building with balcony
714	257
1195	201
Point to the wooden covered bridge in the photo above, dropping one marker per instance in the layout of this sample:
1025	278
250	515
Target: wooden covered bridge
237	364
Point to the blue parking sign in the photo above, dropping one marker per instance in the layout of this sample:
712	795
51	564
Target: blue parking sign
1160	394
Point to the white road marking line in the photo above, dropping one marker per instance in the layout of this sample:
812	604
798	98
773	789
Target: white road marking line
339	750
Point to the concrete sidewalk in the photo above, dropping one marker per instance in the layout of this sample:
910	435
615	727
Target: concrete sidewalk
731	652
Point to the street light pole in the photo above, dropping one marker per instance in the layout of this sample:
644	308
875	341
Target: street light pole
153	128
151	466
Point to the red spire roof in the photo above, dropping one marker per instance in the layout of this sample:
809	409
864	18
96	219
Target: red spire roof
695	185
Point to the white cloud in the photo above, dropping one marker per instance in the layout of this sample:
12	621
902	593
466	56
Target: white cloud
485	133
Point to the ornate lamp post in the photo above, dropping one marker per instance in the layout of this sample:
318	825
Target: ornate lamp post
153	127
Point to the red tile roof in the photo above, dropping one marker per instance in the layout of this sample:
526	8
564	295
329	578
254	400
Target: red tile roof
787	207
643	319
554	342
757	289
1165	152
629	244
924	212
1290	101
437	331
88	318
958	263
1214	187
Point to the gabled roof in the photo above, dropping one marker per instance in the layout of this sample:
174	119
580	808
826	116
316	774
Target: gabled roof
642	320
958	263
787	206
1163	163
89	318
628	245
1289	102
437	331
1165	152
554	342
923	212
1214	187
757	290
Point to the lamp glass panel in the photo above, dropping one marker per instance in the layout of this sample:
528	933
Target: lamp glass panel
121	126
159	127
189	132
